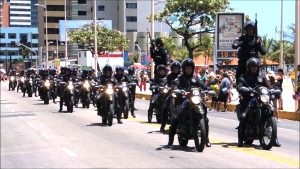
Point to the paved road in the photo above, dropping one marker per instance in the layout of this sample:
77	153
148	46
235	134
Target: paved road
34	135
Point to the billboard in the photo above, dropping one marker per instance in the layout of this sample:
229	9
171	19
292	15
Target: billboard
75	24
229	26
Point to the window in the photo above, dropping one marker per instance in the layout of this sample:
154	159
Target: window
55	8
131	30
101	18
23	36
131	18
11	36
35	45
81	1
101	8
34	36
52	31
2	44
2	53
81	13
12	53
2	35
131	5
53	19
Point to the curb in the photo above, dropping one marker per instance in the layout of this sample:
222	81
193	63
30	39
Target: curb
231	108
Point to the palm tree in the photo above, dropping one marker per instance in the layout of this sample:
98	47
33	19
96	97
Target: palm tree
169	45
207	47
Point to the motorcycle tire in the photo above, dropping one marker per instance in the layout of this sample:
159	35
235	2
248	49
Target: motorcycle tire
46	99
158	115
110	115
150	116
70	106
200	138
29	93
126	111
248	141
181	141
273	124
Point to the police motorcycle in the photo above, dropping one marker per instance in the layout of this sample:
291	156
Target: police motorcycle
84	93
44	91
105	102
21	82
93	89
68	95
122	99
187	107
131	86
259	120
12	82
28	87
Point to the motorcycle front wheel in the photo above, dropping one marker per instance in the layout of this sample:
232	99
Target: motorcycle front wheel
110	115
200	136
268	130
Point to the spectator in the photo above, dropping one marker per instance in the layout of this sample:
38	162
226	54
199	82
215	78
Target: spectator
279	78
274	85
214	85
202	76
223	91
143	80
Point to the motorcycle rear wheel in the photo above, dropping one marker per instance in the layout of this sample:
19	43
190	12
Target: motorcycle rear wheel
181	141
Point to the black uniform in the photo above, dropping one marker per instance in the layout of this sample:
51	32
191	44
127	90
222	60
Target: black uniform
248	47
159	55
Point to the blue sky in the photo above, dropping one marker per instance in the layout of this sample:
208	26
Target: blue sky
268	14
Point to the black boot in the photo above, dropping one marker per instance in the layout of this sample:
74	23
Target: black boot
120	121
132	114
277	144
119	117
207	138
60	106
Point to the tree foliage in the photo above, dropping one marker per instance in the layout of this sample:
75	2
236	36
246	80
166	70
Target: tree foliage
182	15
25	52
107	40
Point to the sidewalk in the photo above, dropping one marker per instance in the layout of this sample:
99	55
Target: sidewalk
288	102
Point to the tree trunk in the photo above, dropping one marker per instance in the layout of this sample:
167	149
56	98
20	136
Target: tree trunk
188	47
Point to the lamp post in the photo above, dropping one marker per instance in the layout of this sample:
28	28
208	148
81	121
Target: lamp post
66	34
281	64
45	7
95	37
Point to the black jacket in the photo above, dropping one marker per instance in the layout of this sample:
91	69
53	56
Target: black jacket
252	80
104	80
159	56
171	78
121	78
185	82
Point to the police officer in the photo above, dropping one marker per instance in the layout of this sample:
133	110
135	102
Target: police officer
107	77
159	54
66	74
175	71
159	80
251	78
132	79
119	75
184	81
249	45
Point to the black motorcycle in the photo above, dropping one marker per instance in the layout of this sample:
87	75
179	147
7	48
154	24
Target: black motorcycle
28	87
12	83
122	99
44	91
21	82
68	95
131	86
157	102
84	94
258	117
191	124
105	103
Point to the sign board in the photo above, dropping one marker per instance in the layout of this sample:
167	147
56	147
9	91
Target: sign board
229	26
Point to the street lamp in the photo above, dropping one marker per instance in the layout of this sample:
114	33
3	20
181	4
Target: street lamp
45	7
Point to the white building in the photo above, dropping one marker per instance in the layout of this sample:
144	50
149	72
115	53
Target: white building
20	13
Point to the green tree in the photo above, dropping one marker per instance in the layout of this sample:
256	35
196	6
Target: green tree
207	46
107	40
169	45
25	52
181	15
180	54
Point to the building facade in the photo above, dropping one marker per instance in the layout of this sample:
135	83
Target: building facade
4	13
13	35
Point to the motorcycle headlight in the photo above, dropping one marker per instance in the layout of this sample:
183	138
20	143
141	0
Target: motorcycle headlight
30	81
165	90
12	78
22	79
47	83
70	87
124	89
264	98
196	99
86	85
109	91
196	92
174	95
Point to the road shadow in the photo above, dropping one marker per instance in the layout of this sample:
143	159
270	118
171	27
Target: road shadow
16	115
177	148
165	132
63	112
9	103
97	124
39	104
232	144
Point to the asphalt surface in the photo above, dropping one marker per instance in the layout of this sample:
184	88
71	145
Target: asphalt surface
34	135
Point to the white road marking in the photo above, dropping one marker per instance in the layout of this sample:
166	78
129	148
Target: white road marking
12	110
69	152
30	125
7	106
45	136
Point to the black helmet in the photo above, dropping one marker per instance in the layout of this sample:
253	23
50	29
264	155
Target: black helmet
131	70
187	63
161	67
175	64
119	68
107	68
248	25
252	62
158	42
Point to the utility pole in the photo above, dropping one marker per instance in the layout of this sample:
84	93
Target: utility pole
66	35
95	37
152	34
281	64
